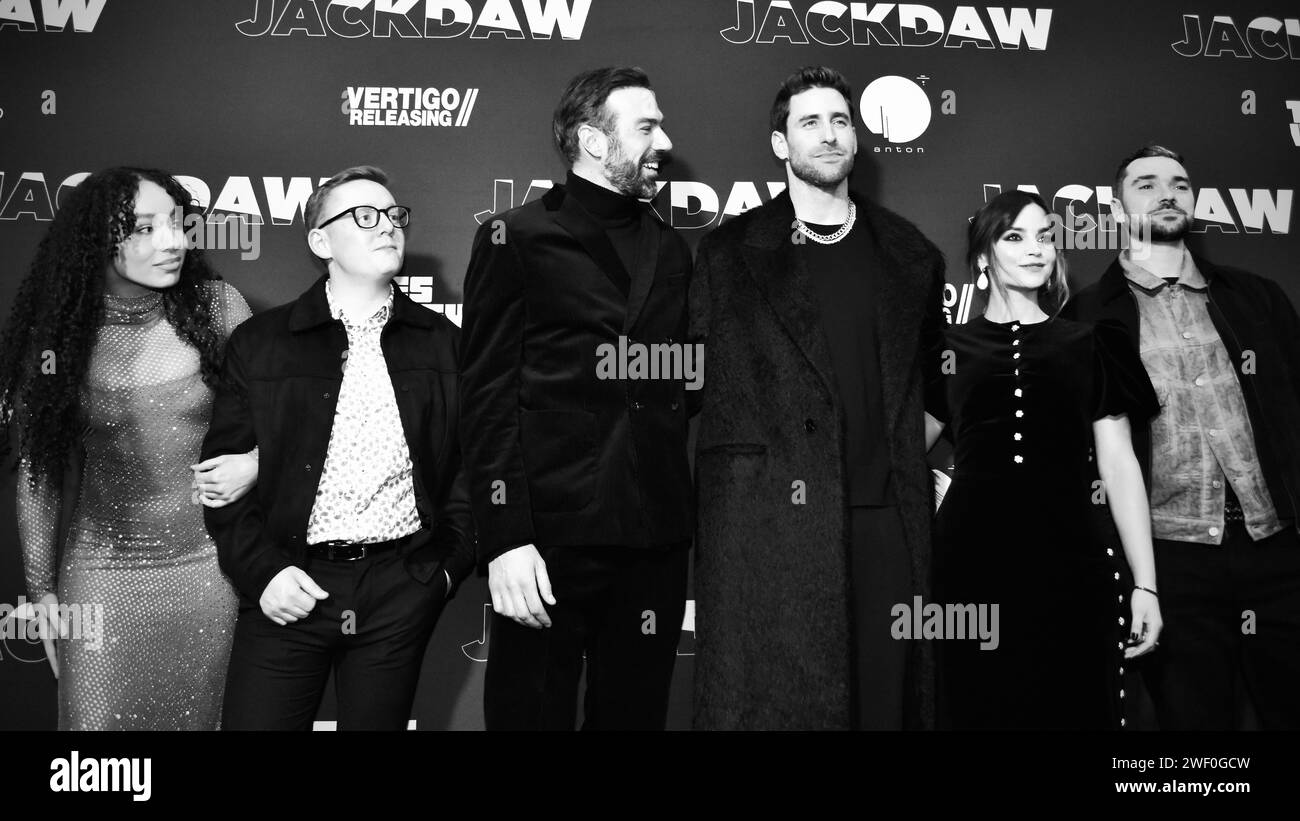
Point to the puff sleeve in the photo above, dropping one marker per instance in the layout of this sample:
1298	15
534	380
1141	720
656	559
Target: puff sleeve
1121	384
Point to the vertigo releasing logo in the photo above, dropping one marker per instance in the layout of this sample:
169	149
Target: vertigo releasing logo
388	105
888	24
1262	37
55	15
431	19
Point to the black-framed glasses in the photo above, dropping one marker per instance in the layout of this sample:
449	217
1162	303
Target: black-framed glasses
367	216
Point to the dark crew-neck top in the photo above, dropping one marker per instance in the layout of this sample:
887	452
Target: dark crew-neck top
843	275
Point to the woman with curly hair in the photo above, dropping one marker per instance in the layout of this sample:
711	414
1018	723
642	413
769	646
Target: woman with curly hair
107	369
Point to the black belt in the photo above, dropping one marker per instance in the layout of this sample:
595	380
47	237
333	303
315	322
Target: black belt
340	551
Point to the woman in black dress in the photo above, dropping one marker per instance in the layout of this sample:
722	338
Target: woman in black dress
1027	398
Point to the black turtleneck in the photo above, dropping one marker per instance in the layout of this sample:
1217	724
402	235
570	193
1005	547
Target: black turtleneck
618	214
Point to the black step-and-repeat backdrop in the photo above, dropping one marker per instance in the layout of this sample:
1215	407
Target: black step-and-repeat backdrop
253	102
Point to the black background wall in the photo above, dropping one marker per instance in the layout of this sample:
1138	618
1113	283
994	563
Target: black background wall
249	100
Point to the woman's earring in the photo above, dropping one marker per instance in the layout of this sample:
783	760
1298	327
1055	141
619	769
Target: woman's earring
983	282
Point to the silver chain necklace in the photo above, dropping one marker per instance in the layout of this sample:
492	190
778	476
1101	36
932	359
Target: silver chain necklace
830	239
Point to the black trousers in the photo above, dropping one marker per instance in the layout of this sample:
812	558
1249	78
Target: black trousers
372	632
1227	608
619	606
881	574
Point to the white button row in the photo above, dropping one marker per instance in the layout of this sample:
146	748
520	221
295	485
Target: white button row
1017	458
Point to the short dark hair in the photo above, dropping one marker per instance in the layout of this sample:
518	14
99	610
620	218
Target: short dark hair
583	102
799	82
1148	150
311	214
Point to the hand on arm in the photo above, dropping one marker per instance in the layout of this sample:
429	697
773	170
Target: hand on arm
224	479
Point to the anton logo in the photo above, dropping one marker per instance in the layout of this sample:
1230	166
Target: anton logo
56	15
1252	210
690	204
888	24
388	105
1219	36
896	108
433	19
899	111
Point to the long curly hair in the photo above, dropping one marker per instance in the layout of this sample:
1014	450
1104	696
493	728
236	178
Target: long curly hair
60	306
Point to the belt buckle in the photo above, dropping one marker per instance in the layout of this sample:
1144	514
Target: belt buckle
334	549
350	547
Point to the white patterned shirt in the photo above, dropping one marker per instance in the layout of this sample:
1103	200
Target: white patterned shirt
366	492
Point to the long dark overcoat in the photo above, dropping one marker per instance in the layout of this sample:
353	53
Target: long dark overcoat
771	583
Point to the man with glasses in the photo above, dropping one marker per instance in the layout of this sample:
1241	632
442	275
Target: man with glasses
359	528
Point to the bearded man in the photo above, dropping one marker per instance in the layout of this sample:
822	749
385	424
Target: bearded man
578	471
819	312
1222	460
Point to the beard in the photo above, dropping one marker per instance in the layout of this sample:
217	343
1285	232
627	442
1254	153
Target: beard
626	174
813	172
1163	232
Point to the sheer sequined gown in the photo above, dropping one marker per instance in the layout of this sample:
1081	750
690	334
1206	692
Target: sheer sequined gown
137	551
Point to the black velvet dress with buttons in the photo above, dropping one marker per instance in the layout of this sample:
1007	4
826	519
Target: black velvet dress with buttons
1016	526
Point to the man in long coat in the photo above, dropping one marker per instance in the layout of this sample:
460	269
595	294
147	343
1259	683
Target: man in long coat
814	497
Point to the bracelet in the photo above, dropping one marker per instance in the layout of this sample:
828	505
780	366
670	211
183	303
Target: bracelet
1147	589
